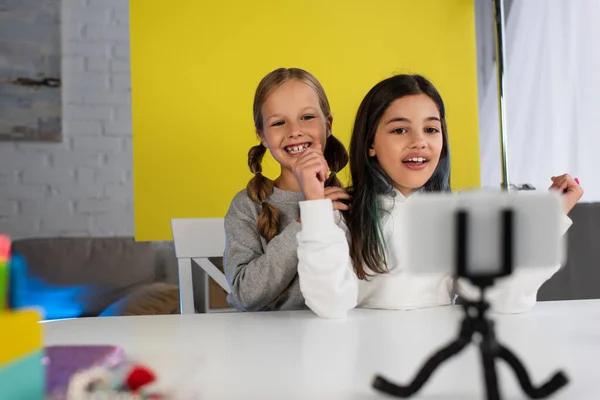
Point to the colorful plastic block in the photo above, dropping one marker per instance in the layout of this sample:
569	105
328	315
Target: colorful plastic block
23	378
3	285
5	245
21	334
22	375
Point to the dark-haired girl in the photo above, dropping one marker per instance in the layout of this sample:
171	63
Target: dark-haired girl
399	146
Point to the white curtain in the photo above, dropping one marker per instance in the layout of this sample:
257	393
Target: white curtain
552	97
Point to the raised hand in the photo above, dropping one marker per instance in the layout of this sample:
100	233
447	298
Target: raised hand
311	171
570	187
337	194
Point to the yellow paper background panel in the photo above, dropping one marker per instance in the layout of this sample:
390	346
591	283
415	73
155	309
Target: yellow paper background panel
196	64
20	334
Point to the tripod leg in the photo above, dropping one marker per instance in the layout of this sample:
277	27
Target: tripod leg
488	355
428	368
556	382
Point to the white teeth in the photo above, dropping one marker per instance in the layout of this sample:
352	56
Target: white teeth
297	149
416	159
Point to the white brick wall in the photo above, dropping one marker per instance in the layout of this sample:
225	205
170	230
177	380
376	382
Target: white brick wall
83	185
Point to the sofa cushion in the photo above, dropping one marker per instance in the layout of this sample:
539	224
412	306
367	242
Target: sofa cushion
155	299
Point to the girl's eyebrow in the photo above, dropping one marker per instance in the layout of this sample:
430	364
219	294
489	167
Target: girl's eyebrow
278	115
402	119
274	116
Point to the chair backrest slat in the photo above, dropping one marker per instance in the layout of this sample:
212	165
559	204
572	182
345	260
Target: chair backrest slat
198	237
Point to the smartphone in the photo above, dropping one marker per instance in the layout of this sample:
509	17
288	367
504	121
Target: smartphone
429	231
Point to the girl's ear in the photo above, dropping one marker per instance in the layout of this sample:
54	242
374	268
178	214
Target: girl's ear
329	125
262	139
372	152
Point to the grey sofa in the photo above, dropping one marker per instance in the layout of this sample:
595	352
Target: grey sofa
580	276
74	277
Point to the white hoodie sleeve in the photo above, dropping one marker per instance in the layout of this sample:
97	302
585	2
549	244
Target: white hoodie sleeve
516	293
327	279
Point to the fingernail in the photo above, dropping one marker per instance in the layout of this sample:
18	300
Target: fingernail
577	181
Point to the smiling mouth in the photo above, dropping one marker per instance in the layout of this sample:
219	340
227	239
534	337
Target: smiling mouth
297	148
416	160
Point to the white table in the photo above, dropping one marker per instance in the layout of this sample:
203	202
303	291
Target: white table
296	355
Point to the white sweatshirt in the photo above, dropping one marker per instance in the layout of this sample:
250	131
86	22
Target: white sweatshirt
331	288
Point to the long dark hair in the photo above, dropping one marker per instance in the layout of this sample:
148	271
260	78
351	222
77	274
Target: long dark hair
368	178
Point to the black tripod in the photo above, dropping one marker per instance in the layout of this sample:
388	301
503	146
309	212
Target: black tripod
476	322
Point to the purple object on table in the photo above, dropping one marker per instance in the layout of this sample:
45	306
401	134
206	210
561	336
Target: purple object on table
62	362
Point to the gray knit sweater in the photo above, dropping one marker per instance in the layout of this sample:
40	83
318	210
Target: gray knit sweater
263	276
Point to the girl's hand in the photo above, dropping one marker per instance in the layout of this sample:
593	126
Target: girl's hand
572	190
336	194
311	171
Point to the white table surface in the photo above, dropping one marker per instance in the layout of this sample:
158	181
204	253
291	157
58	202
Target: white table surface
296	355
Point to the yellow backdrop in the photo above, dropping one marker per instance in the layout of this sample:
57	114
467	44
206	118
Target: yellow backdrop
196	64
